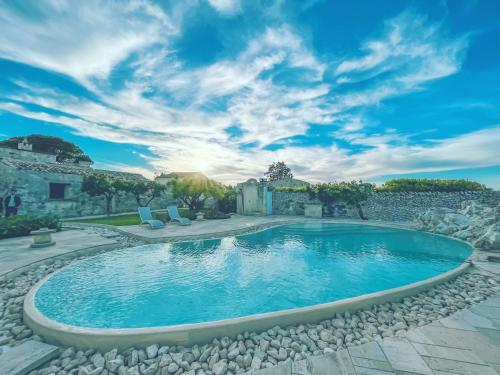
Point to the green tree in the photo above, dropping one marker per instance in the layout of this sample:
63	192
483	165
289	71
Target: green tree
278	171
351	193
99	184
143	191
227	203
193	192
354	193
63	149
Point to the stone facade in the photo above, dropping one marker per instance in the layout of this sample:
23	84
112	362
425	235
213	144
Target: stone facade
386	206
48	187
406	206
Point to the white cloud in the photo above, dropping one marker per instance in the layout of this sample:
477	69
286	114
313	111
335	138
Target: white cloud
410	51
82	39
226	7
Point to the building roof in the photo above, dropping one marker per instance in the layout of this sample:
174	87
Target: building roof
183	175
27	165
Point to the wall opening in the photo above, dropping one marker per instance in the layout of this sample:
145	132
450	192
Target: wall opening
58	190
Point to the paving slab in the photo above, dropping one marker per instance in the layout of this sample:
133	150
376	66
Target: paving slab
369	350
371	363
26	357
475	320
16	252
370	371
403	356
444	352
493	302
457	367
456	322
487	311
338	363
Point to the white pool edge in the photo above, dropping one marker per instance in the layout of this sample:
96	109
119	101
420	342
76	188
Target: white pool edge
201	333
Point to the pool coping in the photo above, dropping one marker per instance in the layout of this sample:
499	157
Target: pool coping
201	333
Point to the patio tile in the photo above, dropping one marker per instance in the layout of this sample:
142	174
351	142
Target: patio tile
403	356
26	357
456	367
478	321
339	364
370	350
492	301
370	371
455	322
447	353
487	311
371	363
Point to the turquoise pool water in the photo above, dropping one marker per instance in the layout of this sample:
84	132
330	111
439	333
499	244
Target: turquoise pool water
279	268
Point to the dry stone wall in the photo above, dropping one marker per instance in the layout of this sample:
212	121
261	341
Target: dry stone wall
387	206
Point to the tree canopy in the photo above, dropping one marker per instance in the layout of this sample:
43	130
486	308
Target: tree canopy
193	192
278	171
63	149
99	184
143	191
352	193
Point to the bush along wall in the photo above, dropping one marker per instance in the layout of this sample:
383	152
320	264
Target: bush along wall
429	185
22	225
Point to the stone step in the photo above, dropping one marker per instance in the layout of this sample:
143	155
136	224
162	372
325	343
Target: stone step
26	357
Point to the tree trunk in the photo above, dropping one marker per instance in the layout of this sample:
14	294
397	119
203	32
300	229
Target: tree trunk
360	212
109	199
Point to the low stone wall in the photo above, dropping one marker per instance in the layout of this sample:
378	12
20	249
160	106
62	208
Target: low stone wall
406	206
386	206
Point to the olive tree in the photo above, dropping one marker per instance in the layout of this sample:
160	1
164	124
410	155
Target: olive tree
194	191
99	184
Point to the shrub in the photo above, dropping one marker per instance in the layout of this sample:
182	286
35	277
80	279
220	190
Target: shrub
227	203
22	225
301	189
428	185
211	214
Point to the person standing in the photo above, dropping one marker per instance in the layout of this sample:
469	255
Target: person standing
12	202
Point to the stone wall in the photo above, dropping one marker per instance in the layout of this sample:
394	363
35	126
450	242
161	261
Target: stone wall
406	206
33	189
6	152
386	206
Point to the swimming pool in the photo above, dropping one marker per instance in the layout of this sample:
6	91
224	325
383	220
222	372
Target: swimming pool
276	269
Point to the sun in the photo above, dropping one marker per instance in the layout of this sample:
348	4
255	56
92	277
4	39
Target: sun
201	165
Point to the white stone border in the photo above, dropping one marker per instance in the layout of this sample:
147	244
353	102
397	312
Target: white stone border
200	333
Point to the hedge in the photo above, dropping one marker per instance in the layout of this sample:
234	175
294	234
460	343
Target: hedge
22	225
428	185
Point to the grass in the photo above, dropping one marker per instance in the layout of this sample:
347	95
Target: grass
133	219
130	219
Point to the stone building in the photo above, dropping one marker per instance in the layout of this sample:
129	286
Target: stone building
47	186
166	178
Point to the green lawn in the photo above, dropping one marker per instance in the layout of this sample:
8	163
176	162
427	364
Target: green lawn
133	219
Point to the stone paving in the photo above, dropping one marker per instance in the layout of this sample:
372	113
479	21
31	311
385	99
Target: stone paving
465	343
16	252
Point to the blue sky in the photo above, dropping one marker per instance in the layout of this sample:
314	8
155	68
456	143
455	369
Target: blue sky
336	89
